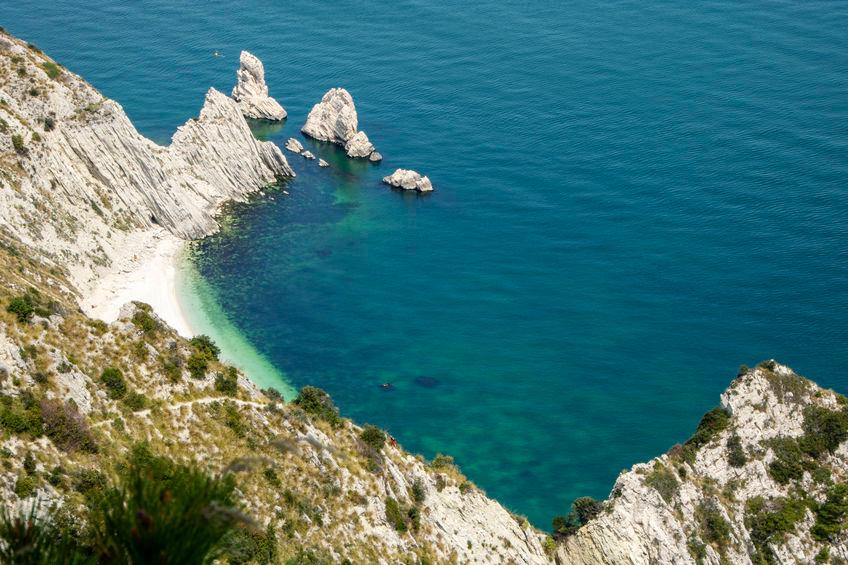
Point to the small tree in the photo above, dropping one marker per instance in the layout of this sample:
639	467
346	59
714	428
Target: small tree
114	380
227	382
197	365
373	437
23	307
204	345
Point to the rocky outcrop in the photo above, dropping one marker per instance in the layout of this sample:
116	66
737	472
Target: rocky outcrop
408	180
744	466
375	157
251	92
323	163
308	155
334	119
294	145
80	157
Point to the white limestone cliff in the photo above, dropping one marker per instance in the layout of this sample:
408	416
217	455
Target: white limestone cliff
334	119
409	180
251	92
657	512
85	183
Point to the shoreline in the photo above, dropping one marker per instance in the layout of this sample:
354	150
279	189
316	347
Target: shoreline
145	271
153	267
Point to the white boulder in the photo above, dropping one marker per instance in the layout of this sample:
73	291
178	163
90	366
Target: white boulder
251	92
308	155
409	180
323	163
294	145
334	119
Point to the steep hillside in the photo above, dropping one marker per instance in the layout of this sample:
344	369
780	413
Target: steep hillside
763	479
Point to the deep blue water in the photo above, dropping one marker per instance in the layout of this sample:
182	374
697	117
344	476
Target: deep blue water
633	198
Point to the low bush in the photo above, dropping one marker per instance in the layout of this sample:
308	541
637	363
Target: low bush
318	403
18	144
373	437
135	401
18	418
52	69
394	515
66	427
144	320
197	365
714	527
204	345
824	430
114	381
735	452
662	479
832	515
23	307
769	522
419	491
25	486
226	382
583	510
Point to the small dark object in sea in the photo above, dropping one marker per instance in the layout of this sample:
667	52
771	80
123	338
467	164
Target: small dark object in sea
426	382
326	252
387	386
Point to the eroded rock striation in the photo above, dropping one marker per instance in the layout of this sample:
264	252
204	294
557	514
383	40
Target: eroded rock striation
251	91
72	151
334	119
409	180
751	486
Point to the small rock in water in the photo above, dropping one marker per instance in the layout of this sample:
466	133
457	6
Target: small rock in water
294	145
409	180
307	155
323	163
375	157
426	382
387	386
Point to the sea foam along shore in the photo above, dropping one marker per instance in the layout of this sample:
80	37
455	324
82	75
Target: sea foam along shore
154	267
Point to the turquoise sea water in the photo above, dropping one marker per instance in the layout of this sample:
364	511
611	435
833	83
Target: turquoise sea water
633	198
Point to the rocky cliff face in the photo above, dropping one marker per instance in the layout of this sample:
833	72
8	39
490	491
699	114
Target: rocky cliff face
78	180
334	119
763	480
251	92
752	485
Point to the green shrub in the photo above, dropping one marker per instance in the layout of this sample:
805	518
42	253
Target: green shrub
18	144
270	475
714	528
373	437
49	123
29	539
832	515
273	394
66	427
35	137
144	320
662	479
172	367
197	365
249	545
233	419
227	382
25	486
712	423
114	381
735	452
204	345
162	512
29	463
788	462
824	430
419	492
769	522
23	307
394	515
52	69
17	418
583	510
318	403
442	461
135	401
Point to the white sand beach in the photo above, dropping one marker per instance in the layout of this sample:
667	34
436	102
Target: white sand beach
145	270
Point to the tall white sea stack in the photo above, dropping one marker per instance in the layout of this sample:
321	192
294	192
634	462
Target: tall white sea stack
251	92
334	119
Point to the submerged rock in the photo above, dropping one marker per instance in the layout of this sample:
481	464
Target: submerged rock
294	145
308	155
334	119
426	381
251	92
409	180
323	163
